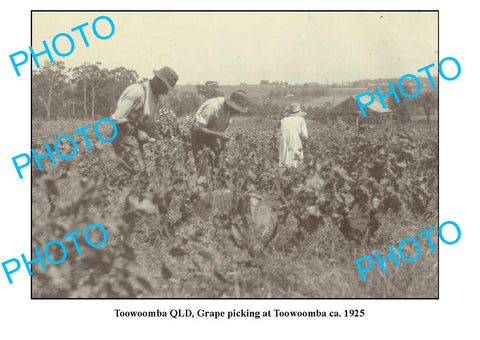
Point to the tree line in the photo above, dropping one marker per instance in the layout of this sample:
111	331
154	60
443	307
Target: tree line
85	91
91	90
276	82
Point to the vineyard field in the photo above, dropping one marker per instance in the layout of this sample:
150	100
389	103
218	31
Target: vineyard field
247	229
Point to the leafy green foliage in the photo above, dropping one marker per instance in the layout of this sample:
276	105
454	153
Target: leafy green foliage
247	228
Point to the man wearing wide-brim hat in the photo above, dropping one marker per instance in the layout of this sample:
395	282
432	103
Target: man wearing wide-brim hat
134	117
211	120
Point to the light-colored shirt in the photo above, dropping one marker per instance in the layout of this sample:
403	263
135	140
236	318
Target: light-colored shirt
290	150
213	115
133	98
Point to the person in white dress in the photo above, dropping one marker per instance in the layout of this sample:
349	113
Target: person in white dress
292	129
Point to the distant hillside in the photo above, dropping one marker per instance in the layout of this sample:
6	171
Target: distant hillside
311	95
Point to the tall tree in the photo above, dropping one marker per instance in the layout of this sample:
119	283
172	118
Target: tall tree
112	85
428	100
80	75
48	84
95	88
94	74
123	77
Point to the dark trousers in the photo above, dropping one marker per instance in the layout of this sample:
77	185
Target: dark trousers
206	150
134	158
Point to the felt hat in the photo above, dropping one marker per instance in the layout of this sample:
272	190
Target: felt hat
238	100
168	76
295	110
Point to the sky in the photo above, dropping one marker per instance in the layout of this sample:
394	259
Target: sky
237	47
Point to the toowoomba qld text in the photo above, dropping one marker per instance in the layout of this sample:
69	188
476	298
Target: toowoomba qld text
239	313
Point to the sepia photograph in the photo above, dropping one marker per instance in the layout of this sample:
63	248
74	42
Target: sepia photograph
234	155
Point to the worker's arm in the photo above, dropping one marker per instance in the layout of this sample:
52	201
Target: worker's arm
143	137
148	124
206	116
131	99
205	130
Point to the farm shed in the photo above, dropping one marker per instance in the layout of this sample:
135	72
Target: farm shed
348	111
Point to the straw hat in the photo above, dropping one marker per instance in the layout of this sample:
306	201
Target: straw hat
295	110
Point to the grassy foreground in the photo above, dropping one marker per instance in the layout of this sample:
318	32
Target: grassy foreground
194	237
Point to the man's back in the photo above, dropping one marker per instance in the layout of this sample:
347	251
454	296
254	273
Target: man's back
213	115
